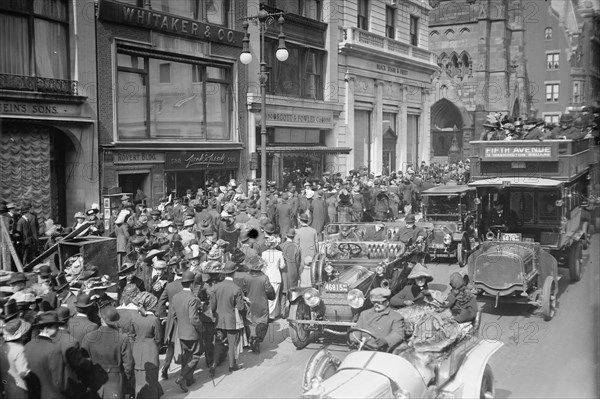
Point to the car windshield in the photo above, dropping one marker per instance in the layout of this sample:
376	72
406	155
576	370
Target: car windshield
362	232
442	204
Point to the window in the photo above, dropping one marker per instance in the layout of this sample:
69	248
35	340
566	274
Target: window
414	30
551	118
577	91
362	21
548	33
311	9
35	38
158	99
552	60
552	92
216	12
390	22
165	73
301	75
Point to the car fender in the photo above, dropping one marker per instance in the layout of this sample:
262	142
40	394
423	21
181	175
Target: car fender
467	381
295	293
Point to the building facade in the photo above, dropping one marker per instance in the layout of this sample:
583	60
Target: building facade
48	130
170	106
384	73
480	48
563	57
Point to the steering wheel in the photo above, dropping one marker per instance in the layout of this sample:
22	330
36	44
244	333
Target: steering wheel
349	248
362	343
495	228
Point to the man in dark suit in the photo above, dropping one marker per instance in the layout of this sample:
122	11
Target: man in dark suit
28	237
186	309
80	324
111	350
226	297
166	298
290	274
45	360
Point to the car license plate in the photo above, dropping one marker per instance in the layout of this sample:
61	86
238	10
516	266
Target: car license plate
336	287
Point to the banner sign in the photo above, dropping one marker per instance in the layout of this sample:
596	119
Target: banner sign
520	152
202	160
173	24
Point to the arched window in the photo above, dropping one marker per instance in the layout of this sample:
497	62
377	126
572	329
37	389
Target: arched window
455	65
548	33
466	64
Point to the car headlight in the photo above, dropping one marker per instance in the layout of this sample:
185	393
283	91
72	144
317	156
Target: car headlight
311	297
328	268
356	299
447	239
380	270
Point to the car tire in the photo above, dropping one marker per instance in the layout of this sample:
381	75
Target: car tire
549	298
462	252
300	335
575	261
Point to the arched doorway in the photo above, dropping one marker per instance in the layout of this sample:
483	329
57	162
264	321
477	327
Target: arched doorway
446	126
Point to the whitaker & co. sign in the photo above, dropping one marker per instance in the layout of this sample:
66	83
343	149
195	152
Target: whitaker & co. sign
159	21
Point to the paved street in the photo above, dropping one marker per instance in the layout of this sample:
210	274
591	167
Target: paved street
557	359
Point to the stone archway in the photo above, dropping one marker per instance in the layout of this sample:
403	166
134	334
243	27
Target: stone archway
446	125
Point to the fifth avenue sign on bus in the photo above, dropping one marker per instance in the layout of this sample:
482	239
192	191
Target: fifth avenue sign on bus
512	152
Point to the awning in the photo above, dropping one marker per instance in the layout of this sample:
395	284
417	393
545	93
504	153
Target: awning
309	150
516	182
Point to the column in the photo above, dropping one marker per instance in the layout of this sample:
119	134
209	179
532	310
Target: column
349	111
377	129
401	150
251	129
425	128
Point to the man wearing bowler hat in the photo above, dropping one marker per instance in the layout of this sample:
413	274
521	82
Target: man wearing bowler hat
385	325
226	297
45	360
111	350
186	309
80	324
164	301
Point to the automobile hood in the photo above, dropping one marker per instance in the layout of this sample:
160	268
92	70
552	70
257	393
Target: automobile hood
352	384
354	276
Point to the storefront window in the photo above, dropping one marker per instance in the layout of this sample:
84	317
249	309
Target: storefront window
301	75
179	100
48	21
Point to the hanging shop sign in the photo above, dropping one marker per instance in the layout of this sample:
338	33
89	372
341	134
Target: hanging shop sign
159	21
202	160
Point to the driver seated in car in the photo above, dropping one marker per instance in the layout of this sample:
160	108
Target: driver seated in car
347	234
410	233
386	325
499	216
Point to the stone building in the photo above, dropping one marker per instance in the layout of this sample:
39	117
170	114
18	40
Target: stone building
480	48
48	131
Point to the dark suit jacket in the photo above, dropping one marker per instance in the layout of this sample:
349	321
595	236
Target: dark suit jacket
226	296
186	310
110	350
77	367
48	367
290	274
78	326
167	297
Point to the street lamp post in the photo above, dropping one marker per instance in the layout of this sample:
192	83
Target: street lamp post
262	20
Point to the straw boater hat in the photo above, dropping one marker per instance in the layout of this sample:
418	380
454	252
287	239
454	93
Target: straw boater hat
420	271
15	329
164	223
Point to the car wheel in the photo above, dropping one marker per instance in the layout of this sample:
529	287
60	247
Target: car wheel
549	298
299	333
575	261
487	384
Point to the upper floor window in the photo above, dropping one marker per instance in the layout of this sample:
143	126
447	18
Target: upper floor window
301	75
551	118
548	33
552	60
390	22
362	21
35	38
168	99
577	91
311	9
216	12
552	92
414	30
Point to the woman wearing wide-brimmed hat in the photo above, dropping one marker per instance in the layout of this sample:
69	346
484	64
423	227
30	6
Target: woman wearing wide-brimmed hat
417	291
274	262
259	291
147	332
13	362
